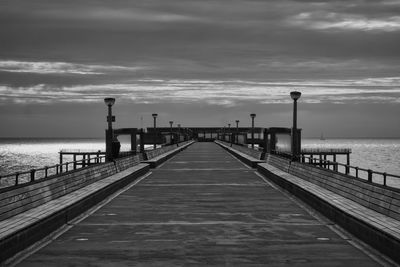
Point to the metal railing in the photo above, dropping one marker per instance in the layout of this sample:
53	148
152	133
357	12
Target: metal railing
22	177
17	178
353	171
326	150
350	170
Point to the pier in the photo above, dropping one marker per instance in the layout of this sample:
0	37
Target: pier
202	207
201	196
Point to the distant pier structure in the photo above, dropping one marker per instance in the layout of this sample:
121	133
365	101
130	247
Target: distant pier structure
273	140
319	156
81	158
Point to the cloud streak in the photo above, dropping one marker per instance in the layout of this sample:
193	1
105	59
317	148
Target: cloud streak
322	20
47	67
221	92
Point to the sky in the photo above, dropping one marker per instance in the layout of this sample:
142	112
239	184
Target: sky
199	63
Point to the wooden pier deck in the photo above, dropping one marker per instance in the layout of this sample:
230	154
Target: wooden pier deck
203	207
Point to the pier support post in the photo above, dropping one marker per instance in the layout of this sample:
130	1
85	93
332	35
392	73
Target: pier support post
133	141
347	163
33	175
141	136
369	176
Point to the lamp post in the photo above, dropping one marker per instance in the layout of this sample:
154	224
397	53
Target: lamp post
179	131
252	115
237	131
295	95
170	130
155	130
109	132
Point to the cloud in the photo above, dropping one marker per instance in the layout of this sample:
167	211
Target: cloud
322	20
47	67
220	92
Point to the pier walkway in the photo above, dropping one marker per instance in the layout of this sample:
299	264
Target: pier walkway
202	207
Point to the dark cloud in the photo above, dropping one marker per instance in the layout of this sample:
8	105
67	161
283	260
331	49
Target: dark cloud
251	41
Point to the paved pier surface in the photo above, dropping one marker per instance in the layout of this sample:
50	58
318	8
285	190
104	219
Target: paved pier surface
202	207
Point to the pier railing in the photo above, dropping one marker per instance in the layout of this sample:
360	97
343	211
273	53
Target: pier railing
352	171
325	151
371	176
28	176
32	175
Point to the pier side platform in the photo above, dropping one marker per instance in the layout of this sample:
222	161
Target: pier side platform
369	211
203	207
29	213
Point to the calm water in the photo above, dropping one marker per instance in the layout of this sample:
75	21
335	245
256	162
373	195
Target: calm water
377	154
24	154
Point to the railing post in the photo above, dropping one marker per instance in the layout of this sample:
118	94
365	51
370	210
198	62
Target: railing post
57	169
369	176
33	175
347	169
66	166
16	178
384	178
46	171
356	172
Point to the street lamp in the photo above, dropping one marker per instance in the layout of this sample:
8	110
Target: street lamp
179	131
237	131
170	130
155	130
109	132
252	115
295	95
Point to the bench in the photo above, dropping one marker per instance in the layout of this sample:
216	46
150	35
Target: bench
31	211
157	156
249	156
370	212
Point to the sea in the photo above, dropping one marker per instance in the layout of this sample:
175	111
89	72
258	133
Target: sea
22	154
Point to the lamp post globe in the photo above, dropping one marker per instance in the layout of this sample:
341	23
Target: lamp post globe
109	101
295	95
